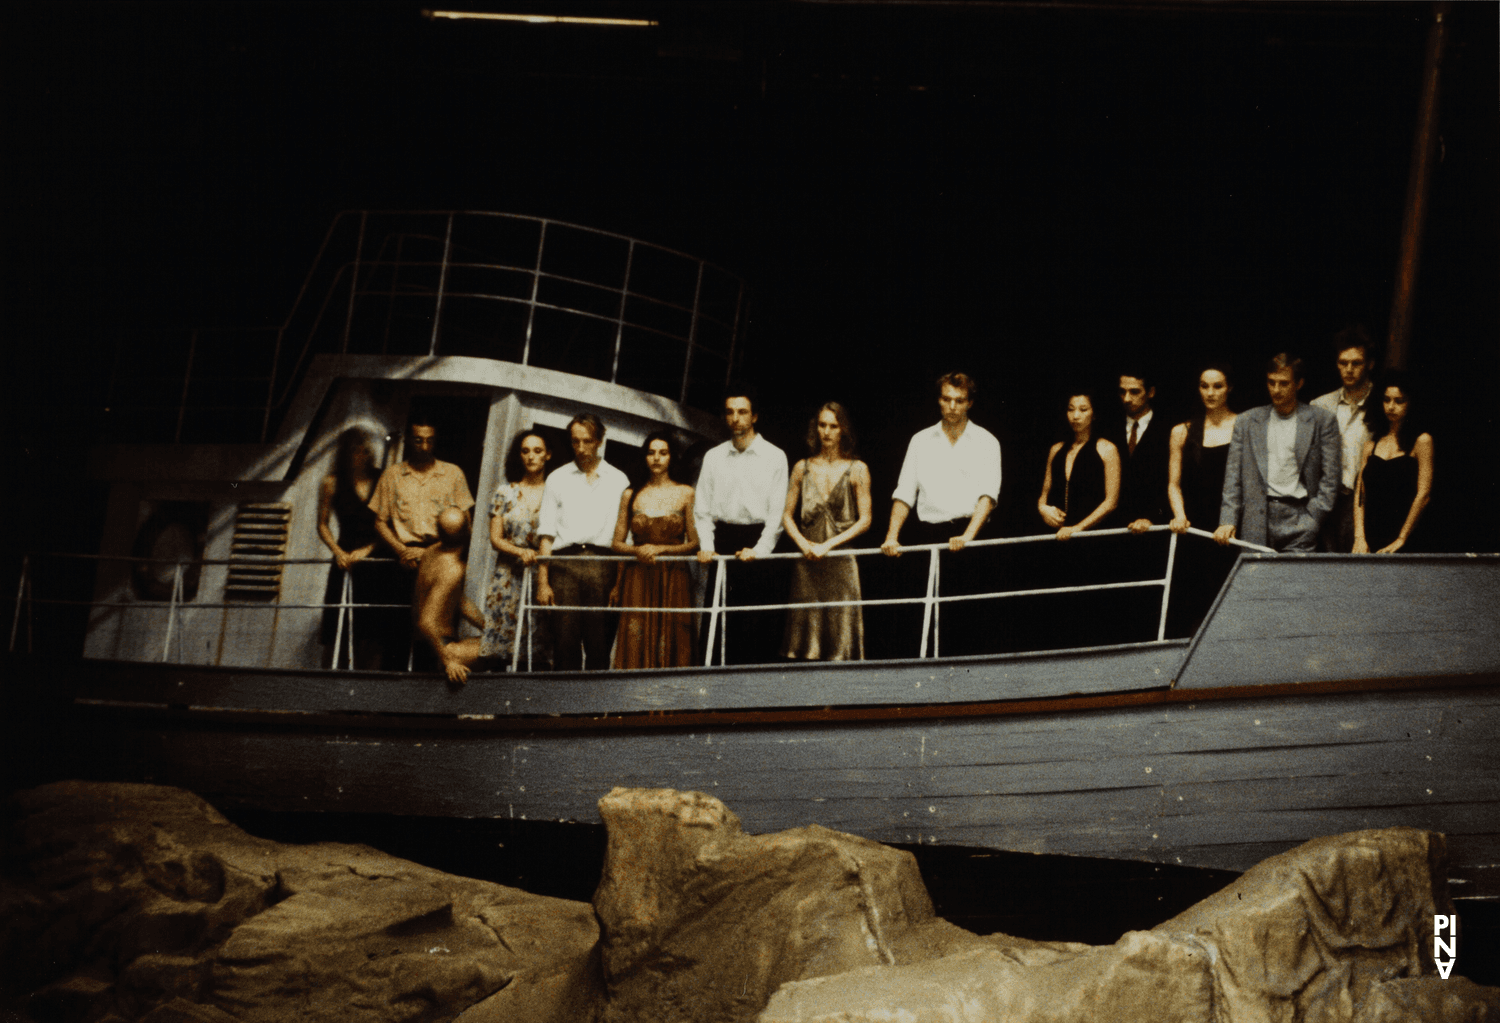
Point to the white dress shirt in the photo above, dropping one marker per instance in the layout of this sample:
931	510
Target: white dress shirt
943	481
1352	429
742	487
1284	479
577	511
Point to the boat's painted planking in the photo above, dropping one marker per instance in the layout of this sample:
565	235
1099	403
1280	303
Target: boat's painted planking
1330	616
1213	783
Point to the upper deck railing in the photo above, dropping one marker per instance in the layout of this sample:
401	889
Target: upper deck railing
716	608
530	290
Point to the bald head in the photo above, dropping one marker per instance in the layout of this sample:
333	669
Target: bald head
453	527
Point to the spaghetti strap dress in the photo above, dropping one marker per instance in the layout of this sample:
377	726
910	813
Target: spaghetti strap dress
1390	488
1202	478
372	582
653	639
826	633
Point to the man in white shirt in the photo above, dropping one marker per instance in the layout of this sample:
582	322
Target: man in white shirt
951	479
579	509
740	495
1284	467
1355	358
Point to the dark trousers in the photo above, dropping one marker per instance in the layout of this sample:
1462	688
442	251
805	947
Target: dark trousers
965	626
579	633
1338	528
751	637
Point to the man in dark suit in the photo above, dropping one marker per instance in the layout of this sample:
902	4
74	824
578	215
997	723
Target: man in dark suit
1284	467
1143	442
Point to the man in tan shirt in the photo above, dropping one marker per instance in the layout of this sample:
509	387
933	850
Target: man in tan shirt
412	494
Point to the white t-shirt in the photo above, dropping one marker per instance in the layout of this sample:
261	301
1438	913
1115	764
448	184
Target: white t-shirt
1283	478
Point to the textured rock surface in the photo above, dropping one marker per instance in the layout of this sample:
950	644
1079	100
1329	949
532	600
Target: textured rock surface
1321	933
1431	1000
699	921
140	902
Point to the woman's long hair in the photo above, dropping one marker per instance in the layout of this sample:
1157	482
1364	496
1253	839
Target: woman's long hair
350	441
848	443
1413	426
515	471
674	452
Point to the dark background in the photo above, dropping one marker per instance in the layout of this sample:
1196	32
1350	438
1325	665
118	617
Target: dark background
1032	192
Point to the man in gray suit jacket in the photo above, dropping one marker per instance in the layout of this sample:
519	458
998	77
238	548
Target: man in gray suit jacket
1284	467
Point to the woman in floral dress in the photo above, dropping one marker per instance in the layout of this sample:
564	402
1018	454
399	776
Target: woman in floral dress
513	524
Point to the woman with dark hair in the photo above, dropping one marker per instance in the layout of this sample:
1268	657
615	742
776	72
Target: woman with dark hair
1395	470
833	489
345	493
1082	482
655	519
1199	452
513	522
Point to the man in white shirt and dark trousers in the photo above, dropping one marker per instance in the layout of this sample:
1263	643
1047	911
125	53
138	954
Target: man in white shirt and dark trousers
1355	358
579	508
737	506
951	479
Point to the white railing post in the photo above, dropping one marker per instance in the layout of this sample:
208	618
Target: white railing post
716	610
21	587
346	613
928	603
522	613
166	644
1166	588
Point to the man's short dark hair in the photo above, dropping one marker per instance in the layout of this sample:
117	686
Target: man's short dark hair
1285	360
962	381
1355	336
1139	372
420	419
593	422
742	389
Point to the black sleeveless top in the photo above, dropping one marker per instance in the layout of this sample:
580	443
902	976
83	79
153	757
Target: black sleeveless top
1202	477
1390	489
356	520
1079	496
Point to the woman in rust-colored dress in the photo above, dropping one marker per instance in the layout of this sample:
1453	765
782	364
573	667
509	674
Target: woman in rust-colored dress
654	520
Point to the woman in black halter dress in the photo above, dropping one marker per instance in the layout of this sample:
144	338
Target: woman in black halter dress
1395	474
344	496
1199	451
1082	483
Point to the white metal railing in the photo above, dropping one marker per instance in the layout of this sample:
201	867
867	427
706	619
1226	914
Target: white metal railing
716	609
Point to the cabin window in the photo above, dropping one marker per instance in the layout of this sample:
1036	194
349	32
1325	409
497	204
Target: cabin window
256	552
172	533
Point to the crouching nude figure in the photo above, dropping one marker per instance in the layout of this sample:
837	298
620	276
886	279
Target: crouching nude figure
440	596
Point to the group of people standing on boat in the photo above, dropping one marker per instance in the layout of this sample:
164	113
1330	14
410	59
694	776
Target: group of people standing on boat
1351	471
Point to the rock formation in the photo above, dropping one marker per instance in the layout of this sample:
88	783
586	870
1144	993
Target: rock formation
141	903
138	902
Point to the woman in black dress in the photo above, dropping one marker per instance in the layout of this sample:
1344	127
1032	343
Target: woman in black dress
1199	450
1082	482
1395	473
345	495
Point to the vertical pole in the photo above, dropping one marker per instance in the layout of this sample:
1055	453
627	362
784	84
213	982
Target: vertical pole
724	625
937	605
687	361
734	332
1166	588
166	645
521	633
1417	186
359	251
265	419
932	561
15	622
437	313
614	372
187	378
536	281
715	604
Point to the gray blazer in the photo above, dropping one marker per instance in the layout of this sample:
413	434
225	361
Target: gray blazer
1318	447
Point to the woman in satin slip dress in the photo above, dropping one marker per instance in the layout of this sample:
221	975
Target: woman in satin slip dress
655	520
833	489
